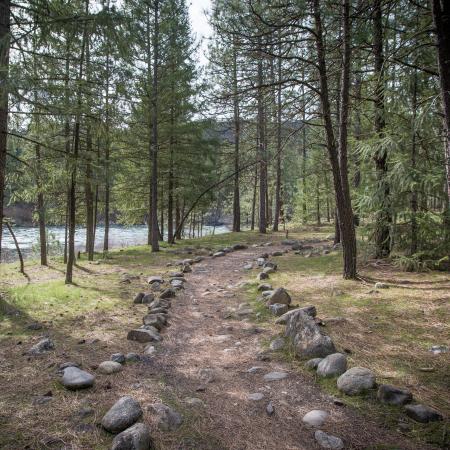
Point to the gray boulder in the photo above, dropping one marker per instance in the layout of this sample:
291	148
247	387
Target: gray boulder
279	295
310	310
75	378
326	440
138	298
315	418
307	338
332	365
109	367
356	381
43	346
132	357
144	335
392	395
422	413
168	418
278	309
137	437
262	276
124	413
270	264
177	284
147	298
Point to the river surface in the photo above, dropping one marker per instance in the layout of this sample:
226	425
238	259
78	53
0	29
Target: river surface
119	237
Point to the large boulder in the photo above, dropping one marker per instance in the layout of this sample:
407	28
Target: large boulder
356	381
137	437
308	339
124	413
75	378
279	295
332	365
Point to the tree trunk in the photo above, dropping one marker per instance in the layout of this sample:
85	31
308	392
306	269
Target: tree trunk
236	117
74	163
154	143
441	19
255	184
41	210
261	149
5	10
342	201
19	253
414	194
277	212
383	216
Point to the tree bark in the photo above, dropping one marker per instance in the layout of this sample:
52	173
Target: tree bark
383	217
5	11
441	19
237	131
342	201
19	253
41	210
277	212
154	143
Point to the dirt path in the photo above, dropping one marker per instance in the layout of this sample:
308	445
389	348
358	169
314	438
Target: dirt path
200	338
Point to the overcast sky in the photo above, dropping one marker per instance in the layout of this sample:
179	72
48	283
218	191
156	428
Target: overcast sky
200	24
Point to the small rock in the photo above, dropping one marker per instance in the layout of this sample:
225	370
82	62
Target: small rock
43	346
167	293
380	285
332	365
66	364
315	418
132	357
279	295
218	254
278	309
262	276
142	335
118	357
194	401
207	375
328	441
239	247
309	310
264	287
356	380
42	400
168	418
257	396
35	326
150	350
109	367
392	395
277	344
422	413
138	298
270	410
75	378
248	267
137	437
275	376
148	298
155	279
276	253
124	413
437	349
268	270
313	363
255	369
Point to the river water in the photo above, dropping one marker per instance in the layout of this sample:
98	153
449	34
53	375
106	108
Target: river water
119	237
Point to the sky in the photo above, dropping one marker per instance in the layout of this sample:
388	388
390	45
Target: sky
200	25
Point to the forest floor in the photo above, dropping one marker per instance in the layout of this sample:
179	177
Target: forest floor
389	331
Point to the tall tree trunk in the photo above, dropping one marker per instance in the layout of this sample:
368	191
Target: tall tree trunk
255	184
414	193
277	212
237	131
154	144
74	162
383	216
441	19
342	200
5	10
177	218
41	209
261	148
